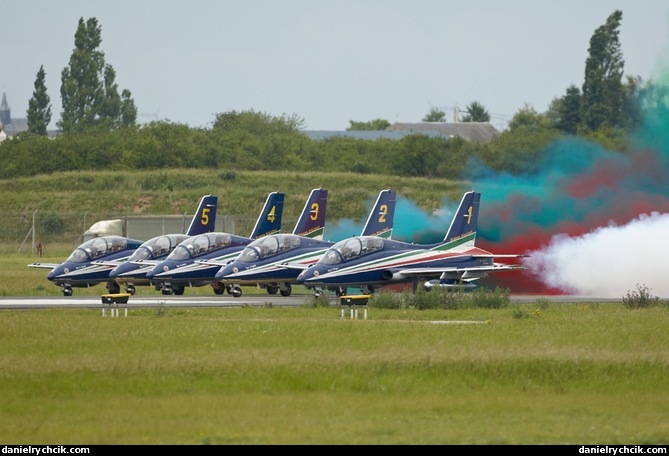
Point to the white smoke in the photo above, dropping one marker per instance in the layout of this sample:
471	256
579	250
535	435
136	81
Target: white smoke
610	261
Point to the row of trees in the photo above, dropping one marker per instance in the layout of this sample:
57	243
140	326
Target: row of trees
89	92
99	128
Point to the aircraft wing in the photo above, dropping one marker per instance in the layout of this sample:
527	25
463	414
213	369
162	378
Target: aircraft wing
298	266
146	262
108	262
212	261
470	273
43	265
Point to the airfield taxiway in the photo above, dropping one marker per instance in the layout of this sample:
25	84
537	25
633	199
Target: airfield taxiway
147	301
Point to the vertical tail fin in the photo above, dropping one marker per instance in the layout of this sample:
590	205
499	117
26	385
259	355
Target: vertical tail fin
380	220
204	220
269	221
465	220
312	220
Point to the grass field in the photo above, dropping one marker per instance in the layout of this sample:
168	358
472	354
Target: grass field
540	373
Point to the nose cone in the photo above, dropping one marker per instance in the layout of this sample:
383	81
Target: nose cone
125	269
164	266
57	272
226	271
305	275
153	271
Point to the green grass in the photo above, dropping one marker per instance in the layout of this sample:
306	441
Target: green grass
536	373
240	193
565	374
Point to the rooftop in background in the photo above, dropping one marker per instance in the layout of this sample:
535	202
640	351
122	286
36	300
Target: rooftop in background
480	132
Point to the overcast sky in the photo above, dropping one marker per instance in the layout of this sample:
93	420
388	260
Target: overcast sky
328	62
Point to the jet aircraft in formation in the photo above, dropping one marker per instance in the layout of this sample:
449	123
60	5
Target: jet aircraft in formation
184	268
371	262
307	235
81	269
275	261
115	259
132	273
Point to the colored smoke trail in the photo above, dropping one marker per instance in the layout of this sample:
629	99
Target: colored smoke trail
595	222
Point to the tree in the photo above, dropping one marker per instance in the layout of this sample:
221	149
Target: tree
128	109
564	113
372	125
435	115
88	89
257	123
39	109
603	94
476	112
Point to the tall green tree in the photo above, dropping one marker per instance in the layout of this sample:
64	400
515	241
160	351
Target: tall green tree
39	107
435	115
565	113
476	112
89	92
603	94
128	109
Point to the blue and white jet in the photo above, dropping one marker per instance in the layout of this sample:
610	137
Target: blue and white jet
371	262
132	273
82	268
183	267
275	261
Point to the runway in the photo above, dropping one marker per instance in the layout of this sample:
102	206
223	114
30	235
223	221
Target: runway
93	302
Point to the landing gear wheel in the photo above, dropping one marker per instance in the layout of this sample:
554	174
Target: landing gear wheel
130	289
219	290
287	290
67	291
113	287
339	292
179	290
236	292
272	289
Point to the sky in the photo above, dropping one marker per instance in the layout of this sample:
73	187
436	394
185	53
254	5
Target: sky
327	63
593	221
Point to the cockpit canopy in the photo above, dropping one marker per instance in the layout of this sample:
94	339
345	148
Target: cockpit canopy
97	247
351	248
158	247
269	246
199	245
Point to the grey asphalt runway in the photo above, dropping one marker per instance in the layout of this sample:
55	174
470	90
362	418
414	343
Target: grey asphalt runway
90	302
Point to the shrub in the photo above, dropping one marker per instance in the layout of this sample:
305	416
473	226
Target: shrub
640	298
51	223
387	300
491	299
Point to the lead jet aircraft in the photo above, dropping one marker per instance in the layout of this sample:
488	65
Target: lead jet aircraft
310	227
81	268
274	262
181	268
132	273
370	262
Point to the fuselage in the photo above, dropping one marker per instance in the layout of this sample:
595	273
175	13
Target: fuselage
133	271
182	266
372	261
275	258
85	266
